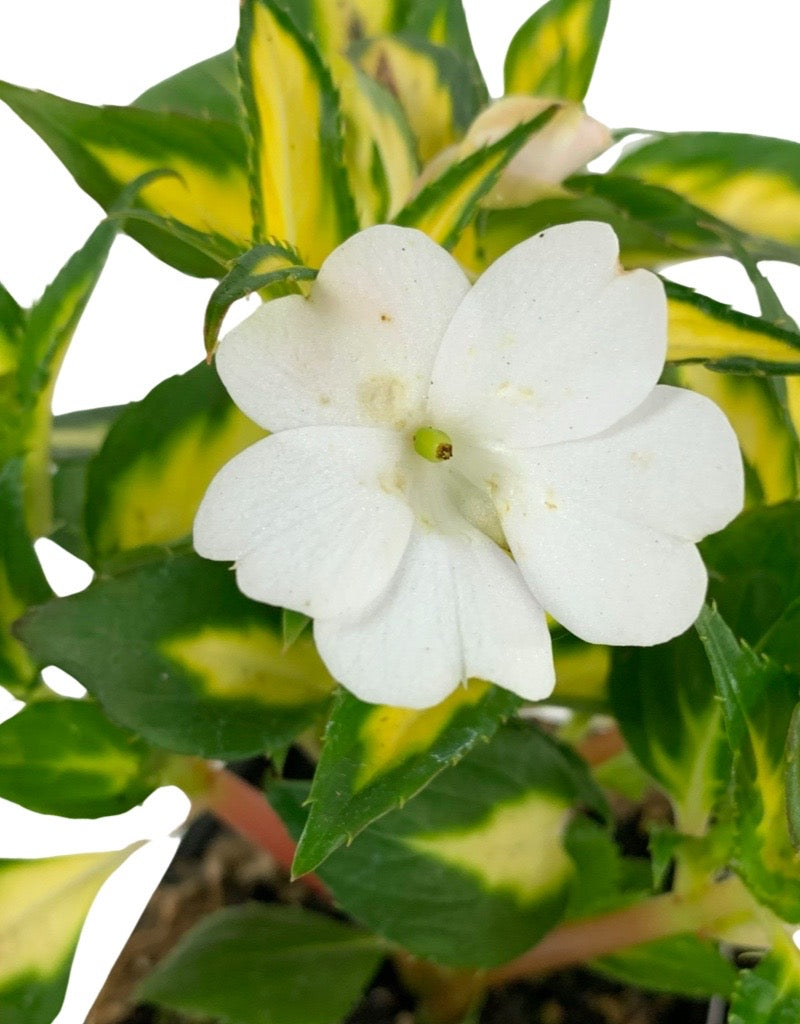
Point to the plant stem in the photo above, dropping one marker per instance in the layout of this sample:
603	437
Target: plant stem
248	811
716	907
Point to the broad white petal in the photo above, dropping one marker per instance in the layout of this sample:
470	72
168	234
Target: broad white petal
359	350
315	518
607	580
673	465
553	342
457	608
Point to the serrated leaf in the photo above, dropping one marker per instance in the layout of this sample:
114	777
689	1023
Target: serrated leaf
432	84
445	206
444	23
258	964
768	444
482	842
283	79
704	330
377	757
681	224
106	148
554	52
42	907
758	700
65	757
751	181
145	483
173	651
208	89
682	964
666	705
272	269
770	992
22	581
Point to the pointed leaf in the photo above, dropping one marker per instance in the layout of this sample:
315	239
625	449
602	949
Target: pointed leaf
272	269
12	325
293	119
65	757
147	480
22	581
751	181
42	907
338	24
702	329
433	85
208	89
444	23
666	704
173	651
106	148
482	842
758	700
376	758
554	52
254	964
768	443
445	206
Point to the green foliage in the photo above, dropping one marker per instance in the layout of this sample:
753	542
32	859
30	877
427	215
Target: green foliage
266	965
376	758
683	964
770	992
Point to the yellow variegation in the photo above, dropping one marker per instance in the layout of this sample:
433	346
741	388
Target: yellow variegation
43	904
389	736
210	200
515	850
300	192
340	23
554	52
702	329
413	74
767	441
250	663
581	673
153	500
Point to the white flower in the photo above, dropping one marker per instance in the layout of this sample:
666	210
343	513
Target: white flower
563	146
540	382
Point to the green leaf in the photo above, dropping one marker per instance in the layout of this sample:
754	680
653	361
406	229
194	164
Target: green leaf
751	181
272	269
444	207
173	651
433	85
481	843
770	992
376	758
65	757
265	965
681	224
704	330
293	122
666	704
22	581
293	625
553	54
12	326
444	23
147	480
208	89
42	907
753	406
106	148
682	964
758	700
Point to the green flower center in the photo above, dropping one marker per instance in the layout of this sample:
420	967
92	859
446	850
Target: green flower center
433	445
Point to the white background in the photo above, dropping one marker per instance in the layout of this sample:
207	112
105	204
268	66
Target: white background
687	64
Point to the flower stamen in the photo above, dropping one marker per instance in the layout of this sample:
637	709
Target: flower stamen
433	445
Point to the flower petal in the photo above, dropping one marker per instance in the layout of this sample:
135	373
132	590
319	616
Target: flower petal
360	348
315	518
457	608
607	580
672	465
552	343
